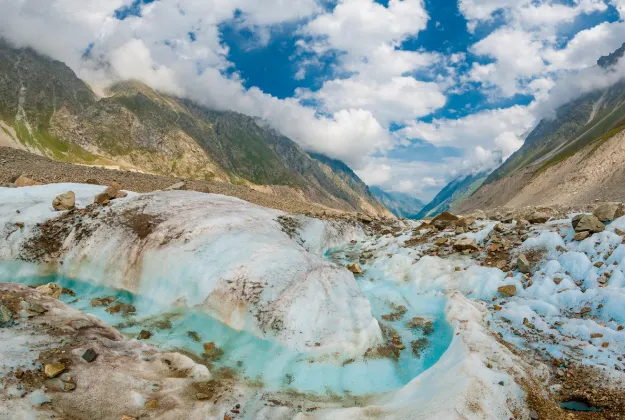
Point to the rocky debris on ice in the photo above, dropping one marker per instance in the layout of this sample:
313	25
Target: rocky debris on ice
176	247
66	201
43	358
466	244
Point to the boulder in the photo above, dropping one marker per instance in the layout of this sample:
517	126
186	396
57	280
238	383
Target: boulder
179	186
54	369
5	315
446	217
588	223
89	355
606	212
51	289
355	268
111	192
580	236
24	181
538	217
466	221
464	244
523	263
508	290
522	224
500	227
65	201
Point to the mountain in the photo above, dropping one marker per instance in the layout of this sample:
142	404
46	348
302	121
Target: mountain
400	204
580	126
46	109
452	195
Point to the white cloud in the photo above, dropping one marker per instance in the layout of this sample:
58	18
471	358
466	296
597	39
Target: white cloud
397	99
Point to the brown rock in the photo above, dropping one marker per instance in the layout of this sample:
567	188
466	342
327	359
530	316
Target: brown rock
589	223
606	212
51	289
580	236
65	201
538	217
24	181
596	335
145	335
523	263
355	268
508	290
152	404
466	244
54	369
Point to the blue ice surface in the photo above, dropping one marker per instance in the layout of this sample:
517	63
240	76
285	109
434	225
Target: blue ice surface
263	360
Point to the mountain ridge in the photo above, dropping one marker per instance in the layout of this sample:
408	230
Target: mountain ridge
46	109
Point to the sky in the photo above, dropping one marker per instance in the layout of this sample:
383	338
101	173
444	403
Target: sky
410	93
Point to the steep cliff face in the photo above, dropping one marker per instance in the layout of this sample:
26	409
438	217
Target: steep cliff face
46	109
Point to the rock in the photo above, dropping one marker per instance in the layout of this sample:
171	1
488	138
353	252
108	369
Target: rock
51	289
201	396
557	280
493	248
5	315
19	225
111	192
54	369
105	301
177	187
466	244
508	290
538	217
194	336
153	404
128	418
440	241
523	263
24	181
580	236
596	335
37	308
69	386
522	224
144	335
92	181
588	223
466	221
355	268
364	218
459	230
65	201
89	355
499	227
606	212
122	308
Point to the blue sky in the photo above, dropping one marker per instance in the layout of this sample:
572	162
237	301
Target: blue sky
409	93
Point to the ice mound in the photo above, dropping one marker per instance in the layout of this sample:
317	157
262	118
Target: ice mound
241	263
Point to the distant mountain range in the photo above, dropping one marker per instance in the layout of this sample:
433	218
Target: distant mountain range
400	204
46	109
453	195
572	159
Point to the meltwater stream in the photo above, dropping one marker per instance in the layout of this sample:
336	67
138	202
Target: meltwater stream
266	362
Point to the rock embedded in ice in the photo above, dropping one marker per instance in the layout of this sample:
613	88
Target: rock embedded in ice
587	223
5	315
51	289
465	244
66	201
507	290
523	263
580	236
606	212
54	369
89	355
355	268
